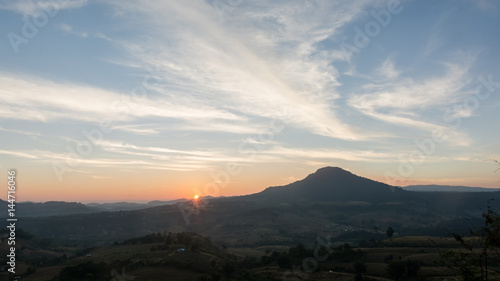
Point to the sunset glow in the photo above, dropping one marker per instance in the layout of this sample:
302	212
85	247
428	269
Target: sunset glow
151	99
236	140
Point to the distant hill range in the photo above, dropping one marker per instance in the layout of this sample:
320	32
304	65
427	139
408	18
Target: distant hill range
331	201
127	206
329	184
447	188
326	184
46	209
61	208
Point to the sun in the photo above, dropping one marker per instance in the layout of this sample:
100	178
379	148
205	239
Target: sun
196	197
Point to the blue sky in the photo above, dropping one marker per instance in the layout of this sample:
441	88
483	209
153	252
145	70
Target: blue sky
173	92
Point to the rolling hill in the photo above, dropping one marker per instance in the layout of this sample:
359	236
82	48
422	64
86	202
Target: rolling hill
50	208
331	201
448	188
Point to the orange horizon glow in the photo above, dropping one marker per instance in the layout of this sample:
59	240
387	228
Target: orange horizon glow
107	185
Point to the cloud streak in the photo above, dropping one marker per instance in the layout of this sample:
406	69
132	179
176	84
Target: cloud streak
28	98
400	102
282	73
32	8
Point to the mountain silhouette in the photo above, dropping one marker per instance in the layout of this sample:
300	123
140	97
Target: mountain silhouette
330	195
333	184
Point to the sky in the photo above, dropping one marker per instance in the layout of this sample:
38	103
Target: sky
156	100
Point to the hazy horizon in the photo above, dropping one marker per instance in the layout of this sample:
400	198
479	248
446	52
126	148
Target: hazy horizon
144	201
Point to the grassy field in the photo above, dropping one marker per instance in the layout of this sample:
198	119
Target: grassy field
202	260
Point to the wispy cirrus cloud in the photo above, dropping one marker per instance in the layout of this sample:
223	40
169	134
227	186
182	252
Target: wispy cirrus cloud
21	132
139	129
221	77
437	38
388	70
120	155
329	154
32	8
18	154
68	29
263	60
85	164
29	98
121	146
403	102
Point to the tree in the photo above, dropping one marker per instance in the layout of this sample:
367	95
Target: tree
481	249
497	163
195	245
389	232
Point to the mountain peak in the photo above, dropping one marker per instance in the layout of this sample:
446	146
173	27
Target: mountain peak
331	170
329	174
333	184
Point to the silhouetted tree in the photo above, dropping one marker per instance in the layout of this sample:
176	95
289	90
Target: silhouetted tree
389	232
481	249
